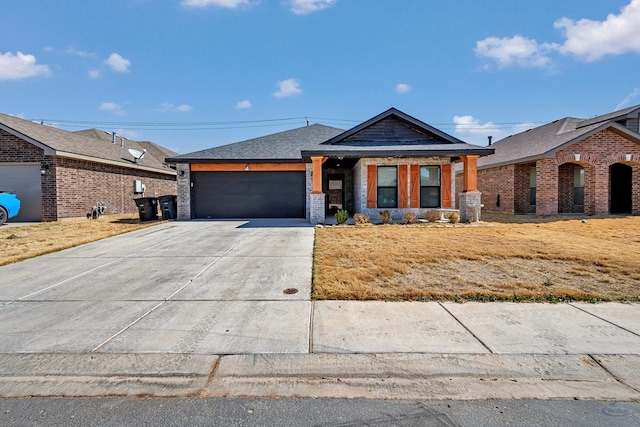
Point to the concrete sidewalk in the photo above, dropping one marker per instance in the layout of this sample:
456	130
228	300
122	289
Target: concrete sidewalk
223	309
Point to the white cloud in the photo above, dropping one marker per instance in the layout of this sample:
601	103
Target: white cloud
516	50
304	7
118	63
82	53
112	107
20	66
167	107
229	4
591	40
287	88
94	74
244	105
474	131
585	39
626	102
403	88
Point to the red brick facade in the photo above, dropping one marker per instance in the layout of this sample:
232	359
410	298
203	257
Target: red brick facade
71	187
555	179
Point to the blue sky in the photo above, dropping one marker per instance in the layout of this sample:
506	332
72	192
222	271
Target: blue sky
193	74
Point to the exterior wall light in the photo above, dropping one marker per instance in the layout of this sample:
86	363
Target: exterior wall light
43	168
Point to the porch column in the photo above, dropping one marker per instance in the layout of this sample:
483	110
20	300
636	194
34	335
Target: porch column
547	187
470	198
470	173
317	199
184	191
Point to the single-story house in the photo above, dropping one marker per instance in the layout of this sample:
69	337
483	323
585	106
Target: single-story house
571	165
58	174
392	161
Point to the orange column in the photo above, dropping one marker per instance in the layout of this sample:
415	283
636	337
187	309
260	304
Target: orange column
316	174
470	173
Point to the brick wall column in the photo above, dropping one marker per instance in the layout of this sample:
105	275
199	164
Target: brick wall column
184	191
601	193
546	187
590	173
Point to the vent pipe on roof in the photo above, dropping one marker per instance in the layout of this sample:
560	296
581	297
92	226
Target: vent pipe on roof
113	137
121	142
308	121
490	138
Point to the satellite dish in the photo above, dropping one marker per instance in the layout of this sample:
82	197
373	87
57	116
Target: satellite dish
137	154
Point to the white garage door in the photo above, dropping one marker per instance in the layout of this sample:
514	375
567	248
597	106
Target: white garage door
24	180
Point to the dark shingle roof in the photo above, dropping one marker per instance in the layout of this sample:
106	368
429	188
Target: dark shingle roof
281	146
615	116
320	140
71	144
153	149
545	140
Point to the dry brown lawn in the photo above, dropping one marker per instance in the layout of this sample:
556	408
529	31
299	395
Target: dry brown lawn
504	258
20	243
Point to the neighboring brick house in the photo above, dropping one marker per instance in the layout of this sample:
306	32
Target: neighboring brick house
392	161
59	174
568	166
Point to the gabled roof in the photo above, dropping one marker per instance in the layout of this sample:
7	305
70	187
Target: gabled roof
58	142
415	131
544	141
409	137
278	147
627	113
394	133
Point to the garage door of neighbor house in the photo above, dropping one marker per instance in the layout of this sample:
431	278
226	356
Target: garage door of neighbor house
24	180
249	194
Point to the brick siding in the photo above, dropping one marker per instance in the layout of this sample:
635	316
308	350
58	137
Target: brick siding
595	154
71	187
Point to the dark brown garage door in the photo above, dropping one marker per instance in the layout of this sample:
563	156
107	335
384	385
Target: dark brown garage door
248	194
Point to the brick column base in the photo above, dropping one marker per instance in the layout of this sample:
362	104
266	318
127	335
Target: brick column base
470	206
316	205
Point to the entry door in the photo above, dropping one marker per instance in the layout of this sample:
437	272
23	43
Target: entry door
336	193
621	176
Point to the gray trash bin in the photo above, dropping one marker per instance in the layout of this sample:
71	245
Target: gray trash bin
147	208
168	206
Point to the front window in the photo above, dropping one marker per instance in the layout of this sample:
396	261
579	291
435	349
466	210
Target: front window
532	186
429	186
578	186
387	187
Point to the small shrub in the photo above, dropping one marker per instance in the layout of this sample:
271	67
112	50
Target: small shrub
454	217
341	216
385	216
360	218
409	218
432	216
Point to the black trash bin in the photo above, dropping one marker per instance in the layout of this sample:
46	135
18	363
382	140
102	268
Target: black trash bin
147	208
168	206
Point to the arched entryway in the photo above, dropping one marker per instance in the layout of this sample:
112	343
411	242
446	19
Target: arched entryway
571	188
620	179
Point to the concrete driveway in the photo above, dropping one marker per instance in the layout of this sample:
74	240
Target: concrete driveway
190	287
223	308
